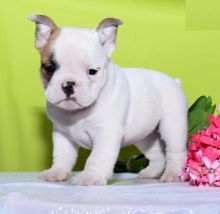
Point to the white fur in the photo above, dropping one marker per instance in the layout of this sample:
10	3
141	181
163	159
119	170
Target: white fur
114	108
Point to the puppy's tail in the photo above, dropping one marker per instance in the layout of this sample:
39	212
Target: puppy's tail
178	81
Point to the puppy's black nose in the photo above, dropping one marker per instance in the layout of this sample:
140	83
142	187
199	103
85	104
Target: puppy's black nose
68	88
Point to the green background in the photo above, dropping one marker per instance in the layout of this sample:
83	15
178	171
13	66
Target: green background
165	35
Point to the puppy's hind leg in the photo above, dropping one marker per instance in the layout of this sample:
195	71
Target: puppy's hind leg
153	149
173	130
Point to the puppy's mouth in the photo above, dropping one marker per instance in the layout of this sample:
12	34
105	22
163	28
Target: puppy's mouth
67	99
73	100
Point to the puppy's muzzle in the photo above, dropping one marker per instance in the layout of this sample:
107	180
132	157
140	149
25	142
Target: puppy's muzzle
68	88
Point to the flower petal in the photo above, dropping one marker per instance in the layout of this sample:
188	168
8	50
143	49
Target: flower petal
217	184
215	164
207	140
198	156
211	178
185	176
214	120
216	143
211	153
207	162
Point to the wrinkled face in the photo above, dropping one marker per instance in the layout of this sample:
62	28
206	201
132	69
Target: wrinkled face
74	61
73	68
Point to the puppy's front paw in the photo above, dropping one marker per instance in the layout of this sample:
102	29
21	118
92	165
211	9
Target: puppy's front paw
54	174
89	178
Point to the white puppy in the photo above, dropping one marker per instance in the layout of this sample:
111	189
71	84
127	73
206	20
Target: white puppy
95	104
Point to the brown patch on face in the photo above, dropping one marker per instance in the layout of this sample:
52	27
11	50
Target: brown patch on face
44	77
46	54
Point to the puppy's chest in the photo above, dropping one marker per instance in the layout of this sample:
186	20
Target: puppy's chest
78	134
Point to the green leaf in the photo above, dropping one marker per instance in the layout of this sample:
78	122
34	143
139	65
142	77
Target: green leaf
133	164
199	103
211	110
138	163
208	103
198	114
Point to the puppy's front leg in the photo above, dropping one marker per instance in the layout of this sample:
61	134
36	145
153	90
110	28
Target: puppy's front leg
64	157
99	165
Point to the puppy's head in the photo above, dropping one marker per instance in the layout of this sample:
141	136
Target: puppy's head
74	60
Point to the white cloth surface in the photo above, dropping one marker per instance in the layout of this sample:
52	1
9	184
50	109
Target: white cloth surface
24	193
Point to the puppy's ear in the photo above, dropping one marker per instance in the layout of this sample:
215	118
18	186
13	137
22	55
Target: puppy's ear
107	30
44	28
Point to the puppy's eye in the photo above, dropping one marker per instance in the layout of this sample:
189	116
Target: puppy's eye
92	71
51	66
50	69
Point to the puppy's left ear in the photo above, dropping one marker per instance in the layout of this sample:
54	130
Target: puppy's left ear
44	28
107	30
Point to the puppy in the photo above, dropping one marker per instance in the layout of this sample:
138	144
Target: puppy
95	104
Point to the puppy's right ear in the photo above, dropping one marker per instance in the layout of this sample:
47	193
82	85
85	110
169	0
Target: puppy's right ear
44	28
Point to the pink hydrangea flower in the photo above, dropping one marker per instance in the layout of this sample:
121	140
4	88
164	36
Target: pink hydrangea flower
202	167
